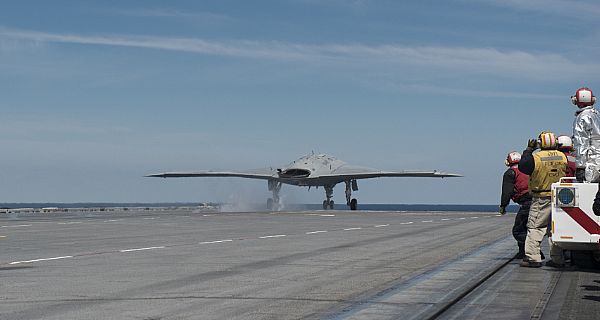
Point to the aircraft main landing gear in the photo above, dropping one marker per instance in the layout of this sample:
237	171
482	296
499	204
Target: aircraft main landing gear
273	204
351	185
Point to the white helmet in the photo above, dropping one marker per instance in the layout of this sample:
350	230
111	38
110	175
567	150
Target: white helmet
513	157
565	143
583	98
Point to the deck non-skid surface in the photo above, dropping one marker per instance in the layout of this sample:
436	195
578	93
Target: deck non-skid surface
291	265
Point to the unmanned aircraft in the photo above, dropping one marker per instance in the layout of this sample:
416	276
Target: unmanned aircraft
313	170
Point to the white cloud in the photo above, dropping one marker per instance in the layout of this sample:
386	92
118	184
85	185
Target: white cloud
578	9
459	60
171	13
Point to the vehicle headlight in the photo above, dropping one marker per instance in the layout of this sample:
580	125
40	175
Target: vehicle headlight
565	197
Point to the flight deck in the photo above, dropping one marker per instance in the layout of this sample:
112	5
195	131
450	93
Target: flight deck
279	265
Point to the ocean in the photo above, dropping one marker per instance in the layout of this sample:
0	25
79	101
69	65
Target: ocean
366	206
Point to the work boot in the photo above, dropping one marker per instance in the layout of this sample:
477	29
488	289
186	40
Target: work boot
553	264
521	253
530	264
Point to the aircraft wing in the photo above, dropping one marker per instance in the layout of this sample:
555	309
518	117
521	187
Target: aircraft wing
379	174
263	174
349	172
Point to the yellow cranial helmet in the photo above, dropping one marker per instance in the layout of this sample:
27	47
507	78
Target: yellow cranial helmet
547	140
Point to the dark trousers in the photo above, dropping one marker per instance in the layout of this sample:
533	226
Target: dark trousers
519	229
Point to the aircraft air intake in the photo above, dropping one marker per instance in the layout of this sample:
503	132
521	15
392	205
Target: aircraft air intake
294	173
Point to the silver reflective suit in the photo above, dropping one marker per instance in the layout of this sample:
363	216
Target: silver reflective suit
586	142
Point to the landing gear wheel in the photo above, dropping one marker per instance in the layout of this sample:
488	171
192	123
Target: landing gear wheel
331	204
353	204
270	204
325	205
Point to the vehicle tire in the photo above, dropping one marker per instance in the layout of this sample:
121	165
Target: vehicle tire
353	204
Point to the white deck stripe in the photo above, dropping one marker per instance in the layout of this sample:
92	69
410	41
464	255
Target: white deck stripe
141	249
17	226
427	221
216	241
407	222
327	215
38	260
349	229
273	236
382	225
313	232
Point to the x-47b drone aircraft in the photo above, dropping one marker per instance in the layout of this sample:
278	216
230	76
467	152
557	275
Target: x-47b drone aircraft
314	170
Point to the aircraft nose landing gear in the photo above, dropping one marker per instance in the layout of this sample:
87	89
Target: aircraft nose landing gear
328	203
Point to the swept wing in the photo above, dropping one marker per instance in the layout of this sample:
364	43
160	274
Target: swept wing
262	174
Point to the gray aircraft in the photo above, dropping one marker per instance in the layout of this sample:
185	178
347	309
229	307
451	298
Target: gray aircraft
314	170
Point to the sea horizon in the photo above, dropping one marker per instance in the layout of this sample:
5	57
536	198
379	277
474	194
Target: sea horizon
249	207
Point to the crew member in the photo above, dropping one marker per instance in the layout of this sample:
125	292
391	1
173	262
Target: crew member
565	145
586	136
544	168
515	187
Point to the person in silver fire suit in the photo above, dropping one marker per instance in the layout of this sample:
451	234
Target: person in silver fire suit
586	136
586	140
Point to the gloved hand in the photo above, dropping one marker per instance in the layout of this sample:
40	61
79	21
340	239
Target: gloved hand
532	144
502	210
580	174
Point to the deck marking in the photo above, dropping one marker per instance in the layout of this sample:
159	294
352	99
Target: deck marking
74	222
313	232
349	229
141	249
382	225
2	237
474	217
38	260
273	236
406	222
17	226
216	241
446	219
461	218
327	215
114	220
427	221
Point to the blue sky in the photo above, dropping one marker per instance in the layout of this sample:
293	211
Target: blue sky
96	94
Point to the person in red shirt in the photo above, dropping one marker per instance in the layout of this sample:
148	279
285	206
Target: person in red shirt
515	185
